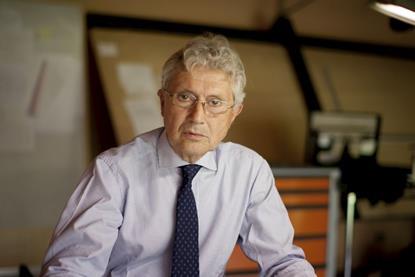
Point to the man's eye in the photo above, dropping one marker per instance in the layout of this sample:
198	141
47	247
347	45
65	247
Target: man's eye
184	97
215	102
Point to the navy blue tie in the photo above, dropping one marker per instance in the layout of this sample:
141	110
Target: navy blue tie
185	262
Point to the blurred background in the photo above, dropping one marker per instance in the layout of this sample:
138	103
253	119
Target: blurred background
330	84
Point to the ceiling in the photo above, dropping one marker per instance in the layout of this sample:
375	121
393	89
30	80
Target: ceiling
351	20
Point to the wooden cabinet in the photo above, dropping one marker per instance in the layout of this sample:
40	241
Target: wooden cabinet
311	198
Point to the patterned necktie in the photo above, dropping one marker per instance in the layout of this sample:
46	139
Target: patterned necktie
186	241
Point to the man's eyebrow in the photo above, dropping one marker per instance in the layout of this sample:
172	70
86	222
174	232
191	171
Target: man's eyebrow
217	95
211	95
187	90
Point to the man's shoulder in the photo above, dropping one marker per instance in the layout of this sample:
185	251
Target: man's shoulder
139	148
238	152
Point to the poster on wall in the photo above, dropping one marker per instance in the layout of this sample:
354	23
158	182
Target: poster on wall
42	110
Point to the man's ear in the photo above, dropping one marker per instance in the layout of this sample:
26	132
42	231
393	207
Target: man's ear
237	110
162	103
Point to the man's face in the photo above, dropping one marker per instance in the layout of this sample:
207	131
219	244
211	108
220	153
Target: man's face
192	132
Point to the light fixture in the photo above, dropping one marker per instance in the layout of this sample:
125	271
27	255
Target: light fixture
403	10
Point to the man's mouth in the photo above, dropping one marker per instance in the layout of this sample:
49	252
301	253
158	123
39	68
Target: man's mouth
193	135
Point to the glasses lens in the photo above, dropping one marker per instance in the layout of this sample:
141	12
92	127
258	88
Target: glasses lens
216	109
184	100
187	100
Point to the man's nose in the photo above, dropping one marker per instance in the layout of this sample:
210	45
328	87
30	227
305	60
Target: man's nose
197	111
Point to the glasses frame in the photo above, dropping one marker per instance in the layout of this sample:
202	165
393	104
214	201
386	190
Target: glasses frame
206	110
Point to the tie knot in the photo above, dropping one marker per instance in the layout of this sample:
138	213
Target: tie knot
189	171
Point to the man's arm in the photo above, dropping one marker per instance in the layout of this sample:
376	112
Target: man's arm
267	234
84	237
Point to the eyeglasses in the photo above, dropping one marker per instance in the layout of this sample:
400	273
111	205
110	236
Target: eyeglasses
212	105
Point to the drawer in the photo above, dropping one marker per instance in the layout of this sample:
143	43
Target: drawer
238	262
314	249
301	199
309	221
302	184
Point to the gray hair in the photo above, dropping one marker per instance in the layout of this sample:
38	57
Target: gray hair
210	51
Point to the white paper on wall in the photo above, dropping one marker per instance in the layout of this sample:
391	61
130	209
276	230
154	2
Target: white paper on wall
17	132
17	97
60	93
144	114
136	78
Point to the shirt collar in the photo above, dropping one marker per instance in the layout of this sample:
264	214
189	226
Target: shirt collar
168	158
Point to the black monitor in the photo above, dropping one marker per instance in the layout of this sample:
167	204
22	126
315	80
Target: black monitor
350	141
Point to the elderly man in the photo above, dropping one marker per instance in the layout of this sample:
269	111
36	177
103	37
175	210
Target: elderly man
176	200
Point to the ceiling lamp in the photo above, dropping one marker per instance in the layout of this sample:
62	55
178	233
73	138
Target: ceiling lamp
403	10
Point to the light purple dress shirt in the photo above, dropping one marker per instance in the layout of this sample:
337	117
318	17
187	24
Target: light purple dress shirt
120	219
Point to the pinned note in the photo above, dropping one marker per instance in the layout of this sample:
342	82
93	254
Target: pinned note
107	49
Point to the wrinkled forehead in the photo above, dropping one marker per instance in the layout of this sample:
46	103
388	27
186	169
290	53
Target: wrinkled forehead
202	81
201	73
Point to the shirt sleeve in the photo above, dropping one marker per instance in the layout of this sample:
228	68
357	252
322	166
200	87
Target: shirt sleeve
267	234
88	227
